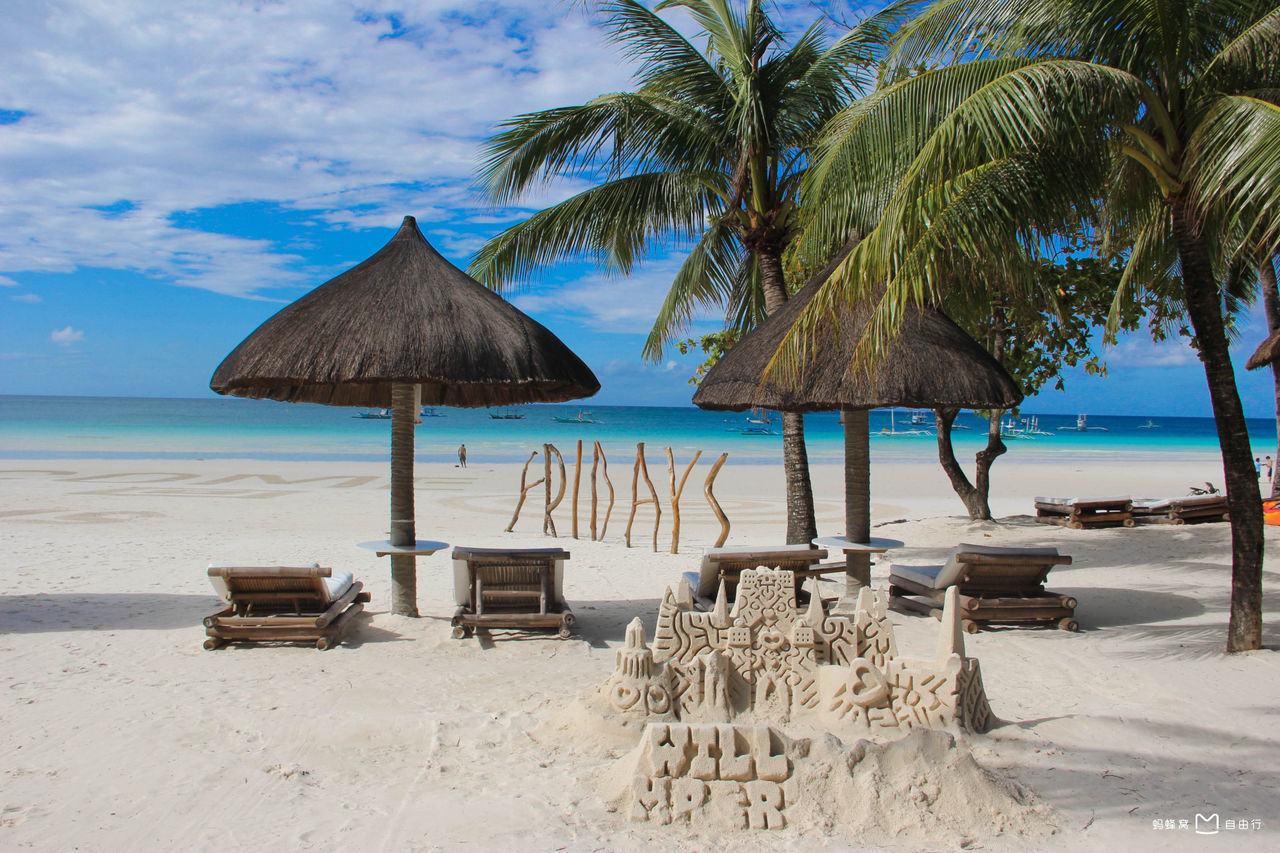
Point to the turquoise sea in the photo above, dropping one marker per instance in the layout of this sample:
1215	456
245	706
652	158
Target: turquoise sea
149	428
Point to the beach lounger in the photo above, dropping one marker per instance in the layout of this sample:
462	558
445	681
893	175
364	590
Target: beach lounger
996	585
727	563
282	603
510	588
1192	509
1085	512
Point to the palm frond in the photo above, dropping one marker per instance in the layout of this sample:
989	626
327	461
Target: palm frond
613	222
1235	158
707	277
611	133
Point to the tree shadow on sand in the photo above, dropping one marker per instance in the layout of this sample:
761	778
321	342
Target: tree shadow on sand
1161	782
37	613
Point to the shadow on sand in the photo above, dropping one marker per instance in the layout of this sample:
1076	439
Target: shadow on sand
37	613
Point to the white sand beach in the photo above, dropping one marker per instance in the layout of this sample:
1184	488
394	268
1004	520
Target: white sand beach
122	733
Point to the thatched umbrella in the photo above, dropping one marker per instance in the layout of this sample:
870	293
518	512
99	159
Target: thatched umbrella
932	363
402	329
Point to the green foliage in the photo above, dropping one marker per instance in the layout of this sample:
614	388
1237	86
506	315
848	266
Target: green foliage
1052	117
713	346
1037	336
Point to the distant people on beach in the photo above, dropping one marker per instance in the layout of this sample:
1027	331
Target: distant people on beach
1257	467
1267	468
462	456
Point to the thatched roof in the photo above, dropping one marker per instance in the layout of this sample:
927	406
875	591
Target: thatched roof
1268	352
406	315
933	363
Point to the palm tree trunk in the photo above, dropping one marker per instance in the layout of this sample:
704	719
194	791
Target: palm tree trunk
1271	306
404	572
1204	307
801	527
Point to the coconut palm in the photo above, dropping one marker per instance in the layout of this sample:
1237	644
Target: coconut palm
709	149
1158	119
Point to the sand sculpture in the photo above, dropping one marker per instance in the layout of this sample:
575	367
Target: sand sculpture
767	660
723	775
712	679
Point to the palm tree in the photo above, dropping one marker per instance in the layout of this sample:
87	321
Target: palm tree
710	149
1157	119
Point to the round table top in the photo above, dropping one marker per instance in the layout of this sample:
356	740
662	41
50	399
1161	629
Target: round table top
874	545
383	547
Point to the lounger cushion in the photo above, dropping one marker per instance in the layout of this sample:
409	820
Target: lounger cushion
941	577
1160	504
1070	502
708	585
335	585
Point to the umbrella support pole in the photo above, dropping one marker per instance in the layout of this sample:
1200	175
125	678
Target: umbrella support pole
404	567
857	506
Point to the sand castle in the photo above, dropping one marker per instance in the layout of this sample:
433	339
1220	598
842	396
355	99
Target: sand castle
768	660
714	681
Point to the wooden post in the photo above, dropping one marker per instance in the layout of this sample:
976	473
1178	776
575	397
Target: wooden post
711	499
577	479
857	497
595	461
675	496
604	470
548	523
546	479
404	568
641	467
524	490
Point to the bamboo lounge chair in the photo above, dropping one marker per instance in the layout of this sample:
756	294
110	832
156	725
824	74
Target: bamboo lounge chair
1079	513
510	588
1192	509
725	564
285	603
996	585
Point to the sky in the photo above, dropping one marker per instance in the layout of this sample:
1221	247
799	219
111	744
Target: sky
172	173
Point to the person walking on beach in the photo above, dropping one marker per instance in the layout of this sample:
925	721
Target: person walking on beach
1268	469
462	455
1257	467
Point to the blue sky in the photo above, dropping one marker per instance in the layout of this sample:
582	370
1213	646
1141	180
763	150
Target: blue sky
171	173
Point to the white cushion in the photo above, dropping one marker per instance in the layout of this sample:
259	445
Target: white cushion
941	577
1069	502
335	585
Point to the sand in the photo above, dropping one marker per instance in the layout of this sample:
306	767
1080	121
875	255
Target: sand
122	733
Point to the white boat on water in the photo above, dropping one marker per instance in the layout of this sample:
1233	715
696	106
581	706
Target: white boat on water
892	430
1082	424
380	415
760	424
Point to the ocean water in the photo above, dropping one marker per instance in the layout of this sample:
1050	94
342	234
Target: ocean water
148	428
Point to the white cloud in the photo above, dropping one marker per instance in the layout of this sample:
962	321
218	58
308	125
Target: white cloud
138	109
5	281
1137	350
66	337
29	298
